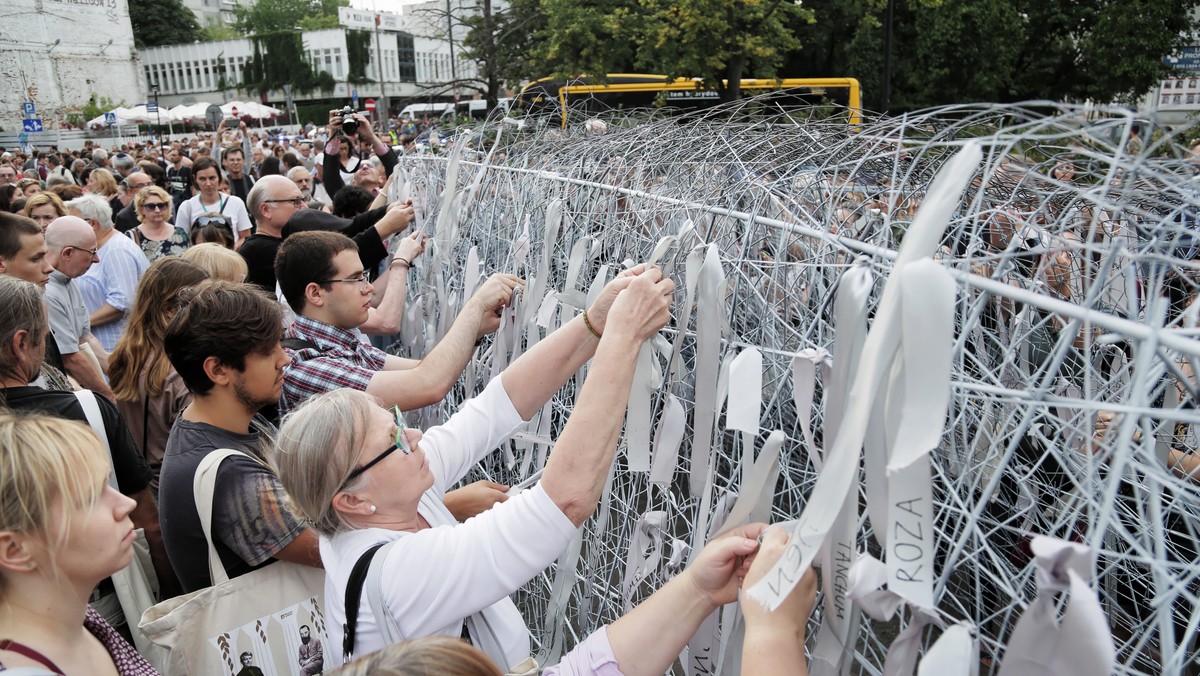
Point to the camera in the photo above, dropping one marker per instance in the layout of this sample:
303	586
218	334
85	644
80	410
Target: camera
349	124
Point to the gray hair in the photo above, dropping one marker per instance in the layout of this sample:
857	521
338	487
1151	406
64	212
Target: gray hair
258	194
56	179
295	171
93	207
315	451
24	311
123	163
99	154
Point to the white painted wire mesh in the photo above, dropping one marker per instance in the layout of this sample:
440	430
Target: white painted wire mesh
1075	348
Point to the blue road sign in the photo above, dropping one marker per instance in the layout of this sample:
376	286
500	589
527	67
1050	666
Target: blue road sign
33	124
110	119
152	107
28	108
354	99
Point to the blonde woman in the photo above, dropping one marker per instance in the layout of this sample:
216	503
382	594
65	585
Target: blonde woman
156	235
63	529
220	262
44	207
150	394
101	182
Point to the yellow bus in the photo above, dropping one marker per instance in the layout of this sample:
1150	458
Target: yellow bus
586	95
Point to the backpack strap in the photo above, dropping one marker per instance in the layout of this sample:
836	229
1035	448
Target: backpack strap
354	588
91	411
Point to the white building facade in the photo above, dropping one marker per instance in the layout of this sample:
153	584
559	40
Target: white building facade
59	54
400	66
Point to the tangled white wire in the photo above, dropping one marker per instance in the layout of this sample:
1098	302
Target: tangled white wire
1073	388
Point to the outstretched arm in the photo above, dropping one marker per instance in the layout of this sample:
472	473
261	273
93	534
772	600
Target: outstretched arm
537	374
650	637
775	640
579	465
412	386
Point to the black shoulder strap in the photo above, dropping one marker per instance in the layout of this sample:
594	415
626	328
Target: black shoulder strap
298	344
354	589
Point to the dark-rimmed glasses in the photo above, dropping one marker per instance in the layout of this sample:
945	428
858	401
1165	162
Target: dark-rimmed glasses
155	206
401	444
361	280
294	201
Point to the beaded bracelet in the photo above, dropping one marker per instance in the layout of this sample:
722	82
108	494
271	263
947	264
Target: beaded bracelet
588	324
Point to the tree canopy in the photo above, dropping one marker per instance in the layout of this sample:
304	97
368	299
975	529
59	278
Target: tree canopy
943	51
953	51
269	16
162	22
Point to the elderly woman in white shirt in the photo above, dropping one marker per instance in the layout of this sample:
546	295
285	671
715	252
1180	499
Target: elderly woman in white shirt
337	457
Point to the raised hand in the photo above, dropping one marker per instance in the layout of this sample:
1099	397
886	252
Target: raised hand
643	306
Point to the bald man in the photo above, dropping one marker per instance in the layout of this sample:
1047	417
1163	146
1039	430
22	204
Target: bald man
71	250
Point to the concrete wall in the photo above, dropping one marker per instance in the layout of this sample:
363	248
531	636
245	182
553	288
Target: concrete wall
69	50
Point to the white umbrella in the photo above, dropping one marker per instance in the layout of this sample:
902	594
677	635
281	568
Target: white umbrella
252	108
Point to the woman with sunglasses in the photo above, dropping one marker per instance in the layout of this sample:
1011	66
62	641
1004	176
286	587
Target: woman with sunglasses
362	479
155	234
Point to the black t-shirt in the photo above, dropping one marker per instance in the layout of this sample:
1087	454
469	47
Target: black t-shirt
250	522
126	219
133	472
259	251
179	180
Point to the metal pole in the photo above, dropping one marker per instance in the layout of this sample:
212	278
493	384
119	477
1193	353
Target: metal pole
885	88
158	115
450	39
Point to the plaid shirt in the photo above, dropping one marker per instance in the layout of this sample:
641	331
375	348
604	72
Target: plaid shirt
339	360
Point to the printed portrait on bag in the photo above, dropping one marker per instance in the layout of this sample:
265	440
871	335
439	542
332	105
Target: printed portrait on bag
290	642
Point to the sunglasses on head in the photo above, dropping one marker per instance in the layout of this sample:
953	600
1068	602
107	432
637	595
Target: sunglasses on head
212	220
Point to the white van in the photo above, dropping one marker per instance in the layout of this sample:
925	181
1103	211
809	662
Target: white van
418	110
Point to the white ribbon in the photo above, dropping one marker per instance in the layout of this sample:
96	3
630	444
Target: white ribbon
1081	644
709	308
804	386
839	624
829	494
445	222
667	439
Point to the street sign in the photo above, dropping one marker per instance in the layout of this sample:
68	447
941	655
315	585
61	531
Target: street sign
151	107
110	119
28	108
31	124
369	104
213	115
354	99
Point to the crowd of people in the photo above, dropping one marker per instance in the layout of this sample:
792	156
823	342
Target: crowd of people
160	308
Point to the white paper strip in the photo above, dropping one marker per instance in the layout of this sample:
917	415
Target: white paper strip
745	385
920	240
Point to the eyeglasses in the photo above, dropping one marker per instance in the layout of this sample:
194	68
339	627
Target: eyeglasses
92	253
361	280
155	206
400	445
294	201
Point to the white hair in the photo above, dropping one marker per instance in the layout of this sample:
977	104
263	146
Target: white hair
93	207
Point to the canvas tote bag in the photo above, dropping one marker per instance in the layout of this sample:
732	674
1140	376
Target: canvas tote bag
136	584
251	620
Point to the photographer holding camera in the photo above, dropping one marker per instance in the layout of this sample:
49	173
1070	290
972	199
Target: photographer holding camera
341	164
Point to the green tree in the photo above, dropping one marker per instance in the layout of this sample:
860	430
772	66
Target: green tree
720	41
502	43
269	16
954	51
162	22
